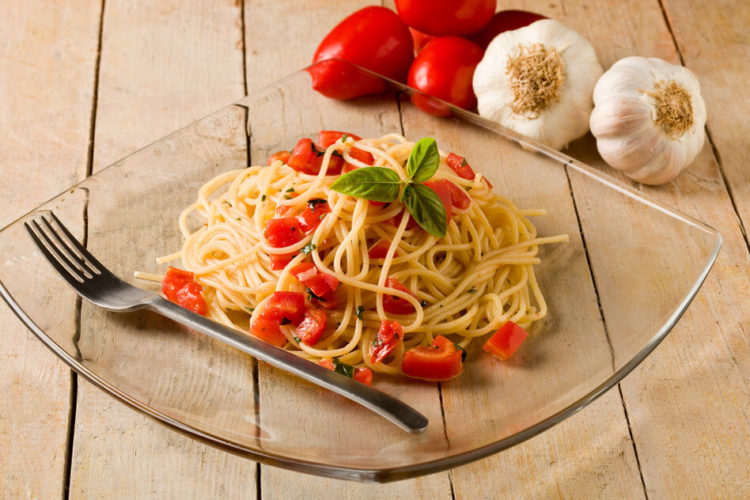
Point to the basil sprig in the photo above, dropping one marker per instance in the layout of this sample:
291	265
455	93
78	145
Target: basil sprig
383	184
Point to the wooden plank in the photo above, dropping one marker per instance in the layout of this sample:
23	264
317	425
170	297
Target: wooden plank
161	67
280	397
44	130
696	377
713	42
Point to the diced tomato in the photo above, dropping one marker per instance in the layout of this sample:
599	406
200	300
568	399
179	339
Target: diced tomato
284	305
506	340
440	361
462	168
305	157
283	231
268	331
174	279
327	363
328	137
389	335
397	305
181	288
321	284
282	156
380	250
443	190
304	271
280	261
363	374
313	323
313	214
459	196
335	164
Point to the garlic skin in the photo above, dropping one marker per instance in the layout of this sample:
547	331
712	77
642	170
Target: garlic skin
566	99
649	118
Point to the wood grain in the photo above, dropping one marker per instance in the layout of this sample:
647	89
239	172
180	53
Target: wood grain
163	65
669	397
47	59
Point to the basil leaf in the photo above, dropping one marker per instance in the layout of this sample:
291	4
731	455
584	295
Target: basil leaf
424	160
370	183
426	208
343	368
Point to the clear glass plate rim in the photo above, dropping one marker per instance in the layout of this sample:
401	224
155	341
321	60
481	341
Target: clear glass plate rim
421	468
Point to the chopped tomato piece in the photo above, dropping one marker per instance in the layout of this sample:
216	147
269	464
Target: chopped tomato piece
284	305
313	214
181	288
304	271
397	305
389	335
268	331
440	361
327	363
462	168
328	137
380	250
311	328
173	280
282	156
305	157
363	374
360	155
280	261
459	196
506	340
443	190
283	231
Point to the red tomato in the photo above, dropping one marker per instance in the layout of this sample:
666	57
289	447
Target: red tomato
463	169
282	156
311	328
505	20
280	261
304	271
443	190
506	340
397	305
374	38
327	363
313	214
380	250
268	331
444	69
446	17
321	284
363	374
180	287
284	305
459	197
281	232
388	337
305	157
440	361
174	279
396	220
419	40
328	137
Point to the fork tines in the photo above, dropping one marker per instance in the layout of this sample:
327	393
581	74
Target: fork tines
62	249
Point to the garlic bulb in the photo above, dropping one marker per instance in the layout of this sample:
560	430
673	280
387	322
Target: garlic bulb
538	81
648	119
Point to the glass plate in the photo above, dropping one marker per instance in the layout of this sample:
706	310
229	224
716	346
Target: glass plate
615	290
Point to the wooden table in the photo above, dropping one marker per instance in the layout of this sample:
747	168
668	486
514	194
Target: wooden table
82	83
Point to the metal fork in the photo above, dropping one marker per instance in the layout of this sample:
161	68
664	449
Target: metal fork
96	283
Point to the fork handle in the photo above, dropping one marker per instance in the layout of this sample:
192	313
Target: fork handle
379	402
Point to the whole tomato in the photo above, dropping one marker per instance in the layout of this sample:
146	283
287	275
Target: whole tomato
445	69
446	17
374	38
505	20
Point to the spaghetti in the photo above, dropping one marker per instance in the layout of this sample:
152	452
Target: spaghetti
464	286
